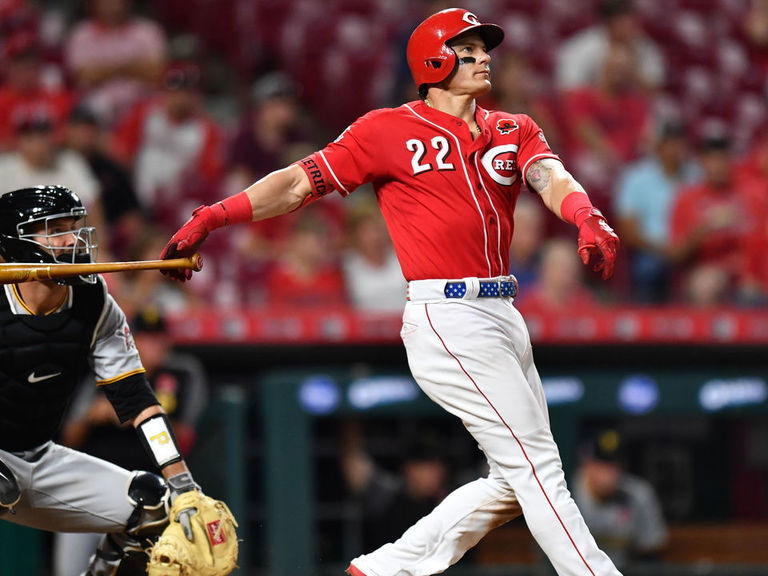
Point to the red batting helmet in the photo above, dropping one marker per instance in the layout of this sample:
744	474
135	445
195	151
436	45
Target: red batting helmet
429	59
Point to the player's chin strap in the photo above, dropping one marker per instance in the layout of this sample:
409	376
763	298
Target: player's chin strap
9	489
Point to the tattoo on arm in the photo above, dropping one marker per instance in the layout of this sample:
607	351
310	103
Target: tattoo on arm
539	175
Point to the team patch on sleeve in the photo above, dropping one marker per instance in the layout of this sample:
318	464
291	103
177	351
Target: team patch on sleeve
319	186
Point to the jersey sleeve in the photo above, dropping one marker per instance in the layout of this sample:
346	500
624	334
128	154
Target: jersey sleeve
113	352
533	144
348	162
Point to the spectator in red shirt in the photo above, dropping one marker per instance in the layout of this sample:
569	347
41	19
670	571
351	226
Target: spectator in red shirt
115	57
23	87
608	120
711	226
307	274
174	148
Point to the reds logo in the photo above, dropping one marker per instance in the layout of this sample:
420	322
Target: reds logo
506	126
501	163
471	18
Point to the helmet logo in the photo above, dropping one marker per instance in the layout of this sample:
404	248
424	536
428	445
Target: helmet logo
470	18
506	126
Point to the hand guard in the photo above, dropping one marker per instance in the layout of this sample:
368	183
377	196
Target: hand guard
598	243
188	240
199	541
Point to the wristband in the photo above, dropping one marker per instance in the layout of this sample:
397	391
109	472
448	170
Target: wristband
157	437
575	208
236	209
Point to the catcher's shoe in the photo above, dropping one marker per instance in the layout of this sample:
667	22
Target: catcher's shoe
354	571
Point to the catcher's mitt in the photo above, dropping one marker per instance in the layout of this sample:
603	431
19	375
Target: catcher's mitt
212	549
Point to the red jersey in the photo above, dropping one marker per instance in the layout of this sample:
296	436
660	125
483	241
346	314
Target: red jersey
448	200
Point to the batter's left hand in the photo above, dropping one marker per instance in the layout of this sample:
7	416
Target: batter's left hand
187	241
598	243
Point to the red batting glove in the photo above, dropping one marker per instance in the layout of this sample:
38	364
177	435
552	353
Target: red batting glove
188	240
598	243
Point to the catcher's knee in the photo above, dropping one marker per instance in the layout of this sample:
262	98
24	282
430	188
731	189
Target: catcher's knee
149	496
10	493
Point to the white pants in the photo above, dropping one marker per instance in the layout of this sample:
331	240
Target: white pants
474	358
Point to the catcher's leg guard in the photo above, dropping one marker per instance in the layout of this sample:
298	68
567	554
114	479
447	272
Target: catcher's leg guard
9	489
123	554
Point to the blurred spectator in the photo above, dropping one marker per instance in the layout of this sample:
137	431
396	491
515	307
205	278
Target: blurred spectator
752	176
115	57
527	239
118	197
559	285
610	117
268	133
518	91
754	34
371	271
645	194
174	147
581	58
140	289
307	272
711	226
23	86
38	160
391	502
92	427
621	510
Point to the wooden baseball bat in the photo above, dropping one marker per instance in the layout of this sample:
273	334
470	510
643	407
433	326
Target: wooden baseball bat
14	273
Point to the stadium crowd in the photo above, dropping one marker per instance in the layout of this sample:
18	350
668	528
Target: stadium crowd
148	110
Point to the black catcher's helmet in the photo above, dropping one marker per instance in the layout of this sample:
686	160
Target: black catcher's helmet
26	217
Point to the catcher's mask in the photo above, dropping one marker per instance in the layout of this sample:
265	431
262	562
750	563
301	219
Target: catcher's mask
44	225
430	58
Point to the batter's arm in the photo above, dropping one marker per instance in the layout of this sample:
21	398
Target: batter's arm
549	178
278	193
563	195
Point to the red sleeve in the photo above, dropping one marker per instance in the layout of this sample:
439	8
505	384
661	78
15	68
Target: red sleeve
533	144
347	162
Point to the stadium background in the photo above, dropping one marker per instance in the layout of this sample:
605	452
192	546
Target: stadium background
685	383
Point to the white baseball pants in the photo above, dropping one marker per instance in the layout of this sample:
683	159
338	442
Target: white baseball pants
474	358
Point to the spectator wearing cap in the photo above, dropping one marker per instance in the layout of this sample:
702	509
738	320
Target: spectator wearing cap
622	510
711	225
273	132
392	501
122	213
580	58
645	193
270	132
181	387
115	57
173	148
23	86
39	160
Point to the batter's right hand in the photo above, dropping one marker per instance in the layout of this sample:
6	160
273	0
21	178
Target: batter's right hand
187	241
598	243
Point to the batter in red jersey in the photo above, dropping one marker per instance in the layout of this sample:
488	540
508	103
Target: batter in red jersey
447	175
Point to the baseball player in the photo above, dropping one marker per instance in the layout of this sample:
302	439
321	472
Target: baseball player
447	174
51	333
